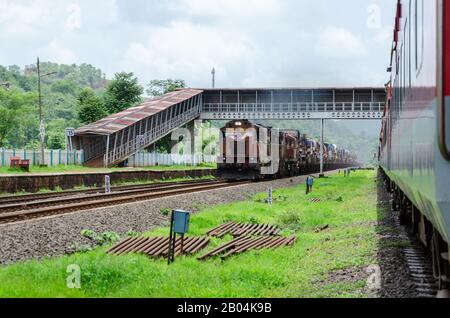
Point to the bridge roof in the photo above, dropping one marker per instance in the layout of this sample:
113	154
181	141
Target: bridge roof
293	89
130	116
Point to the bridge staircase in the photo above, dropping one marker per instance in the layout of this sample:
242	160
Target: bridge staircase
113	139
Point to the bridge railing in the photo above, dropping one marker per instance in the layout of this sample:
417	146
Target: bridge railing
131	147
293	107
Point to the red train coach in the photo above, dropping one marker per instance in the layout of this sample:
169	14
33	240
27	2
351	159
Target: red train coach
415	137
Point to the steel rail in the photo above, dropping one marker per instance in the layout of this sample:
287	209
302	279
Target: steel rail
106	201
94	197
12	199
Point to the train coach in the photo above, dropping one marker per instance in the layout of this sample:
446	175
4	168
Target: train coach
414	149
243	156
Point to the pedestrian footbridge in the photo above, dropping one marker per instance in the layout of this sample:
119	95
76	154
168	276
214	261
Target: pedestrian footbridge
117	137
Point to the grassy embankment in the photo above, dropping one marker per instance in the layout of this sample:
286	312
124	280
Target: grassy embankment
82	169
348	207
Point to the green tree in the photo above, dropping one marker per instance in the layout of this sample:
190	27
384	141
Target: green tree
64	87
16	108
8	120
160	87
122	93
56	136
19	114
90	107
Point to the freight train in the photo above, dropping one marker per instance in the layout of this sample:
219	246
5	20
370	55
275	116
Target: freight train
414	149
252	152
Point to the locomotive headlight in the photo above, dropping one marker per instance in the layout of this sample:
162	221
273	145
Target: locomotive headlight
238	123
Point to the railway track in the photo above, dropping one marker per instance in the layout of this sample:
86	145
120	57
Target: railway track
419	264
35	209
14	199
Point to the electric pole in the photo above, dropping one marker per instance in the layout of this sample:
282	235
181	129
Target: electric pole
41	120
321	175
41	117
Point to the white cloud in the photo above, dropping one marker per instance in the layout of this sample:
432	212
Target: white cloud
229	9
22	19
383	36
339	43
56	52
73	20
188	51
250	43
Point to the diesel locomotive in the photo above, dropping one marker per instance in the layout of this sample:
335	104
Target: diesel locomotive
251	151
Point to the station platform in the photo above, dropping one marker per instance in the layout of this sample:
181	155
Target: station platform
32	183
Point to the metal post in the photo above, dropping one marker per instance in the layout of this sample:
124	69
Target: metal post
41	121
213	73
239	101
41	118
321	148
67	145
334	100
372	101
172	239
271	101
107	151
354	100
115	144
107	184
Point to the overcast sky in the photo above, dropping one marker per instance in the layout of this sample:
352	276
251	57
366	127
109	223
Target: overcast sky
251	43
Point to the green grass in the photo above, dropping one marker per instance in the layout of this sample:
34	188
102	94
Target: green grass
75	168
169	180
183	167
299	271
50	169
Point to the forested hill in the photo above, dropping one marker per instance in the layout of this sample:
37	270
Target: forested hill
19	123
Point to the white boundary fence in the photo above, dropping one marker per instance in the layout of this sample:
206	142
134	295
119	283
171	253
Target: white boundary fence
76	157
153	159
52	157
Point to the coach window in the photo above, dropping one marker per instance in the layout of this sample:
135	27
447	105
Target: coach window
409	47
419	33
405	61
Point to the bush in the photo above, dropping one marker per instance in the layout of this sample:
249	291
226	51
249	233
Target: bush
290	220
105	238
165	211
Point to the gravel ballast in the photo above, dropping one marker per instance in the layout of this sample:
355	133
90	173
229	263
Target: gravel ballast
55	236
395	280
